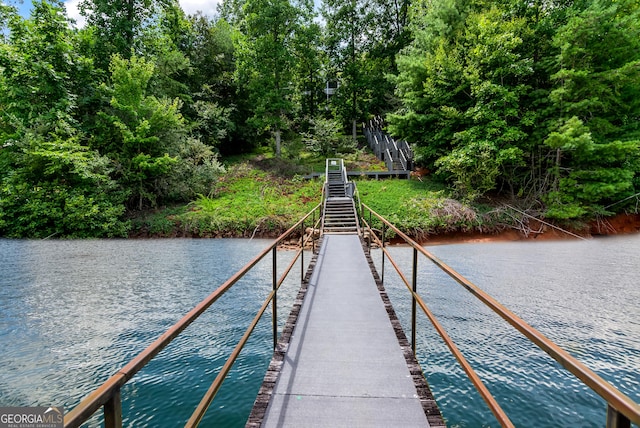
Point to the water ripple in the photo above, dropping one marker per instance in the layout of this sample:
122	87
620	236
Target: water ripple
582	295
73	312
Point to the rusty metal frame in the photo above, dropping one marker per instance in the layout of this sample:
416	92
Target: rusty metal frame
621	410
108	395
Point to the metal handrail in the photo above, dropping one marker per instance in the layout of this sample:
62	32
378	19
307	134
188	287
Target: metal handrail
621	409
108	394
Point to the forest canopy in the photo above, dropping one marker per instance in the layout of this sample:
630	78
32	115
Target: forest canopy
538	101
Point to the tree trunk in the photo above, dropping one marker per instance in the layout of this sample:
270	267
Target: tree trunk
354	131
556	179
277	135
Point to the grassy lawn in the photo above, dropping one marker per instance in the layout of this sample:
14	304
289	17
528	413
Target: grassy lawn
419	208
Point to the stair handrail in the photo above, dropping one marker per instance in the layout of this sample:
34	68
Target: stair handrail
621	410
403	160
108	395
389	160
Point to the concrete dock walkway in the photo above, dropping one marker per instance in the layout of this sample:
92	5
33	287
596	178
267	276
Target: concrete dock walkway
344	366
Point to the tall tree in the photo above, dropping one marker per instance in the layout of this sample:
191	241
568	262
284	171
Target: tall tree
116	25
309	60
348	38
596	137
50	183
598	63
220	109
266	62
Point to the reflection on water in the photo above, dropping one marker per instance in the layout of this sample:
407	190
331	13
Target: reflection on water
73	312
583	295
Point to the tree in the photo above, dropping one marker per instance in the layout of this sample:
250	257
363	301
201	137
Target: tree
430	83
588	176
598	69
50	183
42	72
220	109
265	62
307	51
148	140
116	25
326	139
58	187
464	101
348	38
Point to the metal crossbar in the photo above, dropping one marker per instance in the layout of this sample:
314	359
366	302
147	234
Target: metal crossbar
108	395
621	410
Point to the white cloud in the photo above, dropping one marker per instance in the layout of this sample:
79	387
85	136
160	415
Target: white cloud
190	7
74	13
207	7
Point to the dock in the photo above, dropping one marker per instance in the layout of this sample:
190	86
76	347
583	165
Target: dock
345	361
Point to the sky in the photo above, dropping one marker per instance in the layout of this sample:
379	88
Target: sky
190	7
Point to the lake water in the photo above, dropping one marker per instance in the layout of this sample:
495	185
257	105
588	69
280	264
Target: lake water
73	312
583	295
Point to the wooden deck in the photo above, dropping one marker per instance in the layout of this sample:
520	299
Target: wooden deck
343	359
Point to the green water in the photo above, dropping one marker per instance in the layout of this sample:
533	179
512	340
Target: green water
73	312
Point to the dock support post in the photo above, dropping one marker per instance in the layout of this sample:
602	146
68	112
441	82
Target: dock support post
615	419
414	287
274	303
113	411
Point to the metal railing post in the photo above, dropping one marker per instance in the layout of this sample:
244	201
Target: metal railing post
370	227
274	303
113	411
302	231
313	233
414	286
615	419
382	268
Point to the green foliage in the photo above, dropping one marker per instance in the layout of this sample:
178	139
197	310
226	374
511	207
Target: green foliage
348	38
309	59
117	25
42	74
265	62
51	183
522	96
536	99
475	167
418	208
589	175
326	139
247	199
148	139
599	68
194	173
59	188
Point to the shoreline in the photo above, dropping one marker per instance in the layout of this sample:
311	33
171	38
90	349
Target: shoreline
621	224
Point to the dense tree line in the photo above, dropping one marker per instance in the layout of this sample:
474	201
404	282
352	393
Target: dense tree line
118	116
537	100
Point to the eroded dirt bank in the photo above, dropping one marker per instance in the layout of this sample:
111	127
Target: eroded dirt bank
617	225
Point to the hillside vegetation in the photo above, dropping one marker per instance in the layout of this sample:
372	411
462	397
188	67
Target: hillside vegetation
536	104
258	198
